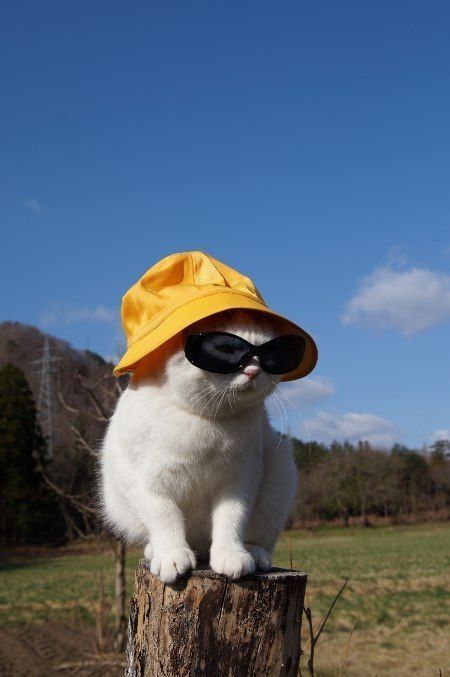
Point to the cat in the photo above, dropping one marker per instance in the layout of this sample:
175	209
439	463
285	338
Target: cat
190	465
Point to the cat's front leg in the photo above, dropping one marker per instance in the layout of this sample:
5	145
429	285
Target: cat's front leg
275	496
229	520
262	557
168	550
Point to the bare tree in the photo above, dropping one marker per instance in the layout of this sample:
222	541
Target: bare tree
80	506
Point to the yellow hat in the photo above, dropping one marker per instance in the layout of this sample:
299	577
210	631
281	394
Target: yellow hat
182	289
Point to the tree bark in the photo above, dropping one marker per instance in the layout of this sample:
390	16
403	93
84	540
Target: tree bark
206	624
120	630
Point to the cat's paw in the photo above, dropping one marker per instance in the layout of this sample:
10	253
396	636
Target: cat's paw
172	563
262	558
231	562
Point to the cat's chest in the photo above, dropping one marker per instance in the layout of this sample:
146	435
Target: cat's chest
190	457
195	464
189	438
160	437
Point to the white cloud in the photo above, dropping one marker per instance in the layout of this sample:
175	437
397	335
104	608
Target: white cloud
70	315
33	204
286	406
326	427
308	391
439	435
407	300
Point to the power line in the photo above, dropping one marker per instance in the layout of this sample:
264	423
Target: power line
45	397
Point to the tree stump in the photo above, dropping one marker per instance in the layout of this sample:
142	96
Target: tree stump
207	625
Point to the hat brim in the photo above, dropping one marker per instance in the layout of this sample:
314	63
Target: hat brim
200	308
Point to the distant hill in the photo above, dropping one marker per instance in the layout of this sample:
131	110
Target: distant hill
22	344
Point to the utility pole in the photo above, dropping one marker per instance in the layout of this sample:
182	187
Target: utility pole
45	397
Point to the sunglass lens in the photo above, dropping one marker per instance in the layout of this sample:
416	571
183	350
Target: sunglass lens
217	352
283	354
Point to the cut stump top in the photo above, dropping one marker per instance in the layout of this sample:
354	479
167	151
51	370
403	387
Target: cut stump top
274	574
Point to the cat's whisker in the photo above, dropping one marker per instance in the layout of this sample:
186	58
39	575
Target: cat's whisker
280	393
281	420
193	423
223	394
200	396
209	401
235	399
220	400
229	399
281	412
267	390
200	393
276	394
214	407
230	404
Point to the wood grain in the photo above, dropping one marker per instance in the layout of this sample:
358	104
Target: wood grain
206	624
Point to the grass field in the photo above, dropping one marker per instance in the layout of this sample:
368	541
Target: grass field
398	594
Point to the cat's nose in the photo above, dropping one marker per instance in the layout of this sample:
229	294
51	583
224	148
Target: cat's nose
252	371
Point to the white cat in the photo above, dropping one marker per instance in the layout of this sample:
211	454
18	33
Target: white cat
190	466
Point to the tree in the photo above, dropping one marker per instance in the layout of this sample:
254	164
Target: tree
413	479
440	449
81	509
308	454
27	512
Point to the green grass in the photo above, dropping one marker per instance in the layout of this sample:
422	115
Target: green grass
48	588
398	591
394	572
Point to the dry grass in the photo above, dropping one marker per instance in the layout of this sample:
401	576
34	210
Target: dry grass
399	590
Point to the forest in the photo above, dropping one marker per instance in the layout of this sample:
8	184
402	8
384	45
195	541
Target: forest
44	499
362	483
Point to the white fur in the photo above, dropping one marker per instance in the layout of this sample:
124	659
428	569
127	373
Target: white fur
191	468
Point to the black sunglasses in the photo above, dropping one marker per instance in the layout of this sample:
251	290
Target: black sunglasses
224	353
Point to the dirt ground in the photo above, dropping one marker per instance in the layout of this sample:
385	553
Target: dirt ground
397	600
53	649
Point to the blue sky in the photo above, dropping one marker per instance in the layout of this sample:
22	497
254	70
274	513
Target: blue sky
306	144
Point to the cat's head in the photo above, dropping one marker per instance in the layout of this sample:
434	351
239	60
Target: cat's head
216	394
